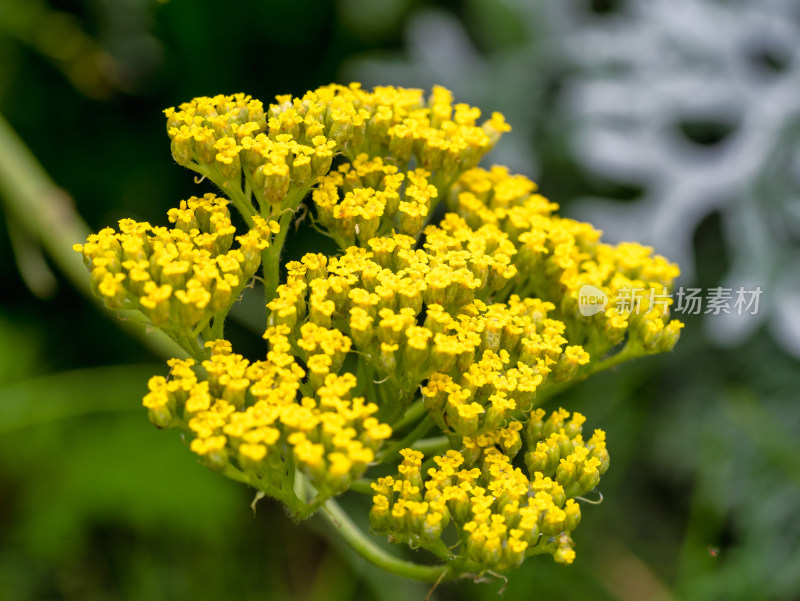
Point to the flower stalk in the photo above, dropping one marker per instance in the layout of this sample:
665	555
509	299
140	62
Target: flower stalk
362	545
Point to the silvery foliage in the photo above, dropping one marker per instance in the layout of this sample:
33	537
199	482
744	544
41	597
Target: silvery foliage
636	80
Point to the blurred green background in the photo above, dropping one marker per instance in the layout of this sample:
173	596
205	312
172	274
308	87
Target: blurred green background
703	497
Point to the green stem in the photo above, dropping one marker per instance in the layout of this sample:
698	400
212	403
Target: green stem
240	200
629	351
271	258
217	329
189	344
232	188
432	446
48	214
302	488
243	205
247	191
336	516
201	326
239	476
298	509
366	374
362	486
542	546
412	415
391	451
394	400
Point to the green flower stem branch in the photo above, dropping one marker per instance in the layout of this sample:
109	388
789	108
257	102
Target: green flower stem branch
415	412
631	350
297	508
271	258
432	446
47	214
391	452
337	518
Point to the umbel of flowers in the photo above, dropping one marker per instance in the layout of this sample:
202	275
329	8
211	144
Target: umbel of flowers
413	364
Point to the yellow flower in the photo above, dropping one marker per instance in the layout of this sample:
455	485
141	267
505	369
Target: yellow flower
453	322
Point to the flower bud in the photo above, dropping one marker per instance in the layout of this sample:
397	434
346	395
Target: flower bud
212	451
553	521
181	147
387	360
341	130
492	334
445	351
564	555
251	458
301	170
401	143
590	476
379	514
158	404
416	349
568	363
457	504
204	149
514	551
274	179
323	156
433	526
669	336
463	417
534	429
574	426
567	472
361	329
573	512
156	304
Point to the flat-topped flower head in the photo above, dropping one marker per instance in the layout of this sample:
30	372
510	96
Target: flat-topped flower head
178	278
496	514
447	308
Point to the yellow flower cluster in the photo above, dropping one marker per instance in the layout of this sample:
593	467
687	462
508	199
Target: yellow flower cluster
416	315
519	349
497	514
557	450
466	324
557	257
364	199
283	151
228	137
248	415
181	277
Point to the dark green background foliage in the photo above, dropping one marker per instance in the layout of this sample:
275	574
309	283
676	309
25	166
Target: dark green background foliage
702	498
